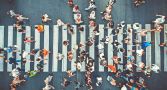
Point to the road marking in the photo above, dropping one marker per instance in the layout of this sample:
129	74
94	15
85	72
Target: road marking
148	49
101	35
55	48
157	49
10	43
73	44
64	52
110	48
37	46
165	48
138	58
19	44
2	46
91	48
119	54
46	46
83	40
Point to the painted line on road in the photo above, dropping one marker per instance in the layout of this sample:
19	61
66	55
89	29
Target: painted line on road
55	48
46	46
10	43
83	40
148	49
101	35
64	52
2	46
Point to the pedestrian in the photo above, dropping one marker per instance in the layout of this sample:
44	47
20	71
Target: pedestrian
28	40
99	81
45	18
39	28
146	44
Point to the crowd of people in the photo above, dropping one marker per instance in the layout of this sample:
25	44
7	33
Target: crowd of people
125	79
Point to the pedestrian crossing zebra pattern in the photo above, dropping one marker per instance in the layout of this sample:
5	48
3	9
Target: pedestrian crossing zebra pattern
74	40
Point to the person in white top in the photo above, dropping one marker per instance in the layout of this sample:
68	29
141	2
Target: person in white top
140	52
129	66
45	18
111	2
60	56
25	54
12	13
60	23
160	19
47	81
136	26
21	18
15	72
48	87
100	46
124	87
91	5
155	68
92	15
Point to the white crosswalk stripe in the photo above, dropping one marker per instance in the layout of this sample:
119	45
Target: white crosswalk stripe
64	48
129	46
110	48
119	54
46	46
83	40
73	48
157	49
56	40
148	49
2	46
10	43
55	48
165	49
101	35
91	48
138	58
19	45
27	49
37	46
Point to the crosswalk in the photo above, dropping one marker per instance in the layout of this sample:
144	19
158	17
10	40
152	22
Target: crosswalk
51	63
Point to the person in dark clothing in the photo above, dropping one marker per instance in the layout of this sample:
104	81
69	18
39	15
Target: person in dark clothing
13	60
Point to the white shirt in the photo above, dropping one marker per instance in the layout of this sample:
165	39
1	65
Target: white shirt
139	52
92	15
155	68
135	26
100	46
59	22
99	79
15	72
124	88
25	54
48	87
